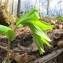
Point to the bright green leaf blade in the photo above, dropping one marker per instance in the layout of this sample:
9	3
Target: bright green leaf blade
34	16
39	43
41	24
26	15
10	34
7	31
45	41
38	31
44	25
38	28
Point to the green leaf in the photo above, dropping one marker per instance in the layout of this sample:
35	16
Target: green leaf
38	31
43	25
39	43
26	15
45	41
41	38
38	28
34	16
7	31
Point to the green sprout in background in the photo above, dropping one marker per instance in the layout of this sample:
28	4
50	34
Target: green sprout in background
38	27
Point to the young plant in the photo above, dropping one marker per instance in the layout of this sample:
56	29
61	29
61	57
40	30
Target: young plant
37	26
10	34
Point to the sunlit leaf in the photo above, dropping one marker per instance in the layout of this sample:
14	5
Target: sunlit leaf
38	28
45	41
38	31
7	31
26	15
43	25
39	43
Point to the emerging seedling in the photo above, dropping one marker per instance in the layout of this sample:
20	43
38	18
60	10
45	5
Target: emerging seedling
10	34
37	26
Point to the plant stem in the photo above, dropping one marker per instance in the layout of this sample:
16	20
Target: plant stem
8	51
15	28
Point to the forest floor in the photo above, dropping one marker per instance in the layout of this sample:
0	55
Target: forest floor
24	50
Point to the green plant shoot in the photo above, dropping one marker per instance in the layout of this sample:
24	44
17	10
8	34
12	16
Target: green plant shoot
10	34
37	26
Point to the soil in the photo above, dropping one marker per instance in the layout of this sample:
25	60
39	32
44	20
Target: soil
24	50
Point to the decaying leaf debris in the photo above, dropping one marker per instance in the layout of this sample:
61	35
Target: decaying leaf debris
19	58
